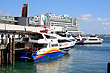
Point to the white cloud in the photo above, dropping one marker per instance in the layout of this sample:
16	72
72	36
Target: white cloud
105	23
90	18
104	28
86	18
4	13
86	15
99	19
95	27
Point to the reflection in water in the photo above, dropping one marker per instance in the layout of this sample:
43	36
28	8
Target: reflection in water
92	44
45	66
52	65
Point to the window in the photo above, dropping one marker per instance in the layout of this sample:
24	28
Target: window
53	45
50	37
68	35
72	39
26	39
36	36
20	45
92	39
62	41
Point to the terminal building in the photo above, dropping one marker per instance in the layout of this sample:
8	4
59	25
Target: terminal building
57	23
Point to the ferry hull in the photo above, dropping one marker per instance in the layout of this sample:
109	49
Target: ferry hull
49	56
26	56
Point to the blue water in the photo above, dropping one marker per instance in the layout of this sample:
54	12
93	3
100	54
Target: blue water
80	59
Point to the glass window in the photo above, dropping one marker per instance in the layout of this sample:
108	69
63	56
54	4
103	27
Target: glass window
92	39
62	41
36	36
50	37
53	45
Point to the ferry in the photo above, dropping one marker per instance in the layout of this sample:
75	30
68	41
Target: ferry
65	43
67	36
89	40
38	46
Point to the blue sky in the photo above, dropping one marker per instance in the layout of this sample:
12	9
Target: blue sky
93	15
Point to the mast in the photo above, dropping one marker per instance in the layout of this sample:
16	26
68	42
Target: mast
26	2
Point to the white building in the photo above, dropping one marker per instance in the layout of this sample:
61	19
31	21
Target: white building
57	23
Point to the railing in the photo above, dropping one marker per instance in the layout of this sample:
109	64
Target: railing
7	17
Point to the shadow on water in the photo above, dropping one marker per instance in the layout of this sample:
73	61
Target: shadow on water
34	67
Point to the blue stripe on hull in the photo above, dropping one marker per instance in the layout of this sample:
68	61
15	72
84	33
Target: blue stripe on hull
72	47
50	55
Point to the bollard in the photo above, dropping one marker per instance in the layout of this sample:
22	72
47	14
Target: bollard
108	69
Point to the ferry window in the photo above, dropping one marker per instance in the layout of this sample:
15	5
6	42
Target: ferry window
54	45
72	39
40	46
78	39
50	37
20	45
92	36
68	36
63	35
37	36
92	39
37	46
17	38
26	39
61	41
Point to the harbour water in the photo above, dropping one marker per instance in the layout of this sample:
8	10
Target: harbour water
80	59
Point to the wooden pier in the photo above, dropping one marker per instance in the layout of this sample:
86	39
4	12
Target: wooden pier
7	50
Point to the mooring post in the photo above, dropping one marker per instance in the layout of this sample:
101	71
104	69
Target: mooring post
9	49
108	68
13	50
6	40
2	43
6	46
9	44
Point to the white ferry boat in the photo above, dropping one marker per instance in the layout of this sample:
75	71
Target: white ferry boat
38	46
89	40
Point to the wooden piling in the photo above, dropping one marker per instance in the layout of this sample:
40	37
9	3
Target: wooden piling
2	57
13	50
6	40
108	68
7	53
2	43
10	62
